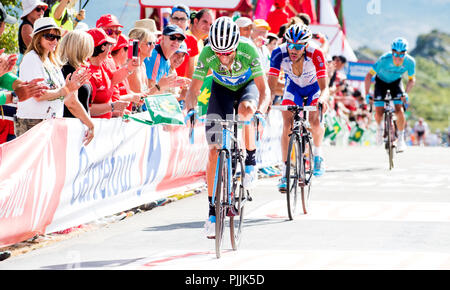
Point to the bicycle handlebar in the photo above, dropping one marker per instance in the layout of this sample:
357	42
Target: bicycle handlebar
192	115
295	108
320	112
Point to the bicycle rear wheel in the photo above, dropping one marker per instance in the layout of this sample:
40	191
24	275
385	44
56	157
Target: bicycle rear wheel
292	175
221	199
239	201
306	173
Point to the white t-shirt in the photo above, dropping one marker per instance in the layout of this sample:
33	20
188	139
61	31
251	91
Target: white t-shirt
32	68
421	127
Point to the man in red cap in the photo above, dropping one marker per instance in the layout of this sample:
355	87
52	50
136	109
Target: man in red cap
110	24
279	16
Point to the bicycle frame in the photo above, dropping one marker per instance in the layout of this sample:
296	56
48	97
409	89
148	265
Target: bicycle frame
231	148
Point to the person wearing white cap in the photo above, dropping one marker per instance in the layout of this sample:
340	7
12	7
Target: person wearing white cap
40	61
245	25
32	10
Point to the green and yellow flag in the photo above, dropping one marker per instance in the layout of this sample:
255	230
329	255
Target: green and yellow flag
164	109
203	98
356	133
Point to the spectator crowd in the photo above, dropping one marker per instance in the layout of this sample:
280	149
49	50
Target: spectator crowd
66	69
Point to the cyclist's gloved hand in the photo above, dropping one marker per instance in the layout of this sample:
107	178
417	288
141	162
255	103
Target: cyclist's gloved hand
368	98
405	95
261	118
406	100
190	116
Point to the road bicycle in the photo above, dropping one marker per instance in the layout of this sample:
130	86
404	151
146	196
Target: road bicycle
229	194
390	128
299	166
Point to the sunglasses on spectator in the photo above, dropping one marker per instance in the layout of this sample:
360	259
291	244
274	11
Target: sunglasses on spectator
224	53
398	54
150	43
178	19
173	38
40	8
296	46
52	37
110	32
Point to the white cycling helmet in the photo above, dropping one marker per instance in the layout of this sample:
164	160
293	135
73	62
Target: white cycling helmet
298	34
224	35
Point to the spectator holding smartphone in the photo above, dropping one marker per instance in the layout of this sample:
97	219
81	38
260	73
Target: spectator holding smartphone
102	105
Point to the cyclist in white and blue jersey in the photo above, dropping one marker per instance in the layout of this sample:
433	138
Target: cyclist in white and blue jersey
389	70
305	72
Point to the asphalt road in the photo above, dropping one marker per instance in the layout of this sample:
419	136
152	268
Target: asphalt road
362	216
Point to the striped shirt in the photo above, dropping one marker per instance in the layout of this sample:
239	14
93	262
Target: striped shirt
157	65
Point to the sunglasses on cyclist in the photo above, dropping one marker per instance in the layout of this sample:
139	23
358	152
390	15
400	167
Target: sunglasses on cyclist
296	46
179	39
398	54
51	37
110	32
224	53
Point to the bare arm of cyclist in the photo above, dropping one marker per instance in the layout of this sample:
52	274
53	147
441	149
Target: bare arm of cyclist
264	94
410	84
193	92
368	81
273	84
324	93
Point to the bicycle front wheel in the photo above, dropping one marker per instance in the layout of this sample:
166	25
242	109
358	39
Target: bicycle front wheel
238	195
390	139
220	199
292	175
306	173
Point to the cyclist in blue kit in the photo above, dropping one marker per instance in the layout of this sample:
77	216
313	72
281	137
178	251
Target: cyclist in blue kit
389	70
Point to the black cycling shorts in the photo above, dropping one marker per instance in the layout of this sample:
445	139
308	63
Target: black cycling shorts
222	102
381	88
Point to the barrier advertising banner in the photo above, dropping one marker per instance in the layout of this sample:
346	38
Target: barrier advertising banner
50	181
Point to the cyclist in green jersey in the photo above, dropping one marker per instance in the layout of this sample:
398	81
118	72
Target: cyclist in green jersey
238	79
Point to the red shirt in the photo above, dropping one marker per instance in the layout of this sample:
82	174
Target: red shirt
110	66
192	48
277	18
122	88
102	91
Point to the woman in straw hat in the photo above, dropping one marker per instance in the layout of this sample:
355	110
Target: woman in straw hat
41	61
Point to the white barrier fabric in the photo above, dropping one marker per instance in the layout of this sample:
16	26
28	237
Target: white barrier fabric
269	150
50	181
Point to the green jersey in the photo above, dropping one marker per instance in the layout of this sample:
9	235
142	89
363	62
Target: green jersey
246	66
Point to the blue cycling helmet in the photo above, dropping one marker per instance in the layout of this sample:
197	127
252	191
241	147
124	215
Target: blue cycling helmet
399	44
298	34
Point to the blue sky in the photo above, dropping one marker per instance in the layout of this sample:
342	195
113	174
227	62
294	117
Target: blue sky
377	26
373	23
